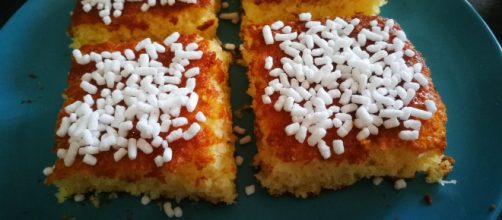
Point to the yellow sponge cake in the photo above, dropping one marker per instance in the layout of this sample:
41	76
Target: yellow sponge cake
93	22
148	118
261	11
337	100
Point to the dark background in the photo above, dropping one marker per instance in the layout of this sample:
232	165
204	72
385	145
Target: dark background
490	10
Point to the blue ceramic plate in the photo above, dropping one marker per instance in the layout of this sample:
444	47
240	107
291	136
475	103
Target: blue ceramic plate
466	63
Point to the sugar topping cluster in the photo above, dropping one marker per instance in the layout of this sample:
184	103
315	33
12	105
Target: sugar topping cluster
127	92
109	8
328	79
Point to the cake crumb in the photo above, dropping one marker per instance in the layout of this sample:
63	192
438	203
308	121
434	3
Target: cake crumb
178	212
400	184
48	170
233	16
250	190
145	200
239	160
79	197
239	130
245	140
427	199
445	182
377	180
229	46
168	209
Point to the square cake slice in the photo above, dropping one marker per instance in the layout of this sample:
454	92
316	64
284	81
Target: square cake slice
339	100
147	118
261	11
93	21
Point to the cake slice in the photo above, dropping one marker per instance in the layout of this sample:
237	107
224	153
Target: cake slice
147	118
121	21
261	11
339	100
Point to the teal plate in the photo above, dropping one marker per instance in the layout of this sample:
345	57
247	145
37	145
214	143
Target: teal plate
466	63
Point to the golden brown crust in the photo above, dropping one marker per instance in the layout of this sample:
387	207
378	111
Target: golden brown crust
134	24
276	149
131	11
287	10
432	132
193	156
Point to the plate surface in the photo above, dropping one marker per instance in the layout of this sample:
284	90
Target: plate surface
466	64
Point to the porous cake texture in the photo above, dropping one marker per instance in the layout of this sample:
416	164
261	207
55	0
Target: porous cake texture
337	100
263	11
136	20
148	118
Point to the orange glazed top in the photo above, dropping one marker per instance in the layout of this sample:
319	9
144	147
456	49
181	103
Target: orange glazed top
271	123
195	151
